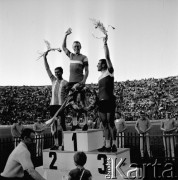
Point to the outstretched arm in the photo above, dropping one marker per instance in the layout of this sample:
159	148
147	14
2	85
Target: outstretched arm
47	65
107	56
64	45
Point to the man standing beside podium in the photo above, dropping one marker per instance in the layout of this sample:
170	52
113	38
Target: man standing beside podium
107	99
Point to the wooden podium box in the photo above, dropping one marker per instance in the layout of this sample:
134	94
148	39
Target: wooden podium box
57	164
102	165
83	140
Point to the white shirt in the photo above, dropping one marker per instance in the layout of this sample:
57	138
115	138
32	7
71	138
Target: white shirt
57	91
18	161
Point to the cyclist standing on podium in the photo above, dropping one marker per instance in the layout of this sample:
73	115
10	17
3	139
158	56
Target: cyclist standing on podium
107	99
78	63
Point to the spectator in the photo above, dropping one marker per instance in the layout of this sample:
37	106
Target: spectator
168	127
19	160
80	173
38	127
176	131
16	131
143	126
120	127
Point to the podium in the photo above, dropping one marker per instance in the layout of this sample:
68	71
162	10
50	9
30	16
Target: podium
83	140
102	165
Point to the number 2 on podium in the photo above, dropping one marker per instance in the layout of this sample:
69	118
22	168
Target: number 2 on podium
54	155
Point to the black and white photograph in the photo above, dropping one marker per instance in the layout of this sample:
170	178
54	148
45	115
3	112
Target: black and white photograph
88	89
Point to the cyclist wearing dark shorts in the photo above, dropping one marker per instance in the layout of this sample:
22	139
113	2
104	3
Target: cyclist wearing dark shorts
107	99
57	99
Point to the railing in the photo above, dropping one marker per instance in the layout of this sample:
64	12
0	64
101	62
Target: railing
158	148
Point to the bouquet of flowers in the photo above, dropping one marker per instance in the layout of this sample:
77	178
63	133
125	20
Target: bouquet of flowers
99	25
48	49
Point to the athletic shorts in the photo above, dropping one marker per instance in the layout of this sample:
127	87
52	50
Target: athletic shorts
53	109
106	106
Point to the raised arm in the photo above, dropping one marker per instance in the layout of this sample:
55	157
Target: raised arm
47	65
64	44
107	56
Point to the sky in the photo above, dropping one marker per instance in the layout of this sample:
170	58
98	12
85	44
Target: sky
144	43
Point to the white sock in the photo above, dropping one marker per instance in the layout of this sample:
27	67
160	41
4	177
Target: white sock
75	121
104	141
108	144
56	142
114	142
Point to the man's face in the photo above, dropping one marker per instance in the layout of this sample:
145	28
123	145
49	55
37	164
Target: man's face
168	115
76	47
39	120
142	115
58	73
31	139
19	122
99	66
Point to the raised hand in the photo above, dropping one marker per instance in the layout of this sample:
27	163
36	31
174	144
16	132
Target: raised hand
105	39
69	31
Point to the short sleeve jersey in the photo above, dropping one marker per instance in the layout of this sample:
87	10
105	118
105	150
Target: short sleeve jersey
18	161
120	125
143	124
16	130
168	124
76	173
38	126
77	64
58	91
106	85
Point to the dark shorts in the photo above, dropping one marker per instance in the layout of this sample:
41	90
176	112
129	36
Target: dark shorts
53	109
71	84
106	106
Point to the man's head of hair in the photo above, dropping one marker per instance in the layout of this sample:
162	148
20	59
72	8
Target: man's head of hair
26	133
80	158
103	63
77	42
59	68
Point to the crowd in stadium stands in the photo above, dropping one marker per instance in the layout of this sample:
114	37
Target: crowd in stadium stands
153	96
